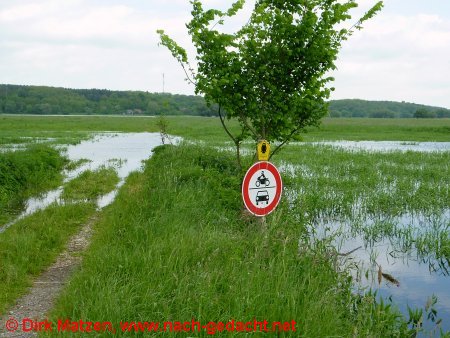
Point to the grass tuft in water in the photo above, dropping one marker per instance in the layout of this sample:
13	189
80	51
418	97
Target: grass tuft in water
90	184
72	165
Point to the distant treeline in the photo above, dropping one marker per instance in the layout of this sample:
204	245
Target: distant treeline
384	109
16	99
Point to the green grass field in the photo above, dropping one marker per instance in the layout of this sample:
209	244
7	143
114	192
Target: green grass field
90	185
382	130
69	128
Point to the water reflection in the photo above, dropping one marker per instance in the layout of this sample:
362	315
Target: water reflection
420	274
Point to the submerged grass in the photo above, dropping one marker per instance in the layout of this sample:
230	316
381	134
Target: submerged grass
72	165
27	172
33	243
174	246
340	182
399	196
90	184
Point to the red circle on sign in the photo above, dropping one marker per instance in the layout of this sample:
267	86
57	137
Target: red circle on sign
249	203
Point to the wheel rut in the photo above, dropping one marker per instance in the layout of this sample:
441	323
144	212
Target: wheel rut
40	297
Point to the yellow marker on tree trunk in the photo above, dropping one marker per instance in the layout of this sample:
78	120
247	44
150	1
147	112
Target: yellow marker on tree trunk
263	150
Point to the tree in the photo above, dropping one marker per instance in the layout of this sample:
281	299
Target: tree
442	113
423	113
272	74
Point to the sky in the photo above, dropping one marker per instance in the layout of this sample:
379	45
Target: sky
403	54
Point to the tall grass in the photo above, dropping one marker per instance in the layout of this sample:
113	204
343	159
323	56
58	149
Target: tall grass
25	173
175	246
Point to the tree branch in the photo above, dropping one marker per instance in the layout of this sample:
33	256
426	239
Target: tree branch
187	75
244	121
225	127
284	142
237	141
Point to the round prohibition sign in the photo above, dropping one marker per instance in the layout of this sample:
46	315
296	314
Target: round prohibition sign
262	188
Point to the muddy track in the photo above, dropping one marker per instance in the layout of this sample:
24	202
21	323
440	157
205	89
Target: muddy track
40	297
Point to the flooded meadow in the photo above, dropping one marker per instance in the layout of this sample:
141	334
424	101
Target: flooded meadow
382	208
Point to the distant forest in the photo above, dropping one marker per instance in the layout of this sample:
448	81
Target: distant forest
384	109
16	99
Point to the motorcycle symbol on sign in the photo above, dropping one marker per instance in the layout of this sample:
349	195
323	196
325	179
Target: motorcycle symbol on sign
262	180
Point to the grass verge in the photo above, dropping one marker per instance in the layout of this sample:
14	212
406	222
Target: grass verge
175	246
32	244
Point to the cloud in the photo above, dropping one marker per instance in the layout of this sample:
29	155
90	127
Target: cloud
80	43
399	58
20	12
73	22
113	44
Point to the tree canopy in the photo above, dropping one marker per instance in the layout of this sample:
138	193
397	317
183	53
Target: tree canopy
272	75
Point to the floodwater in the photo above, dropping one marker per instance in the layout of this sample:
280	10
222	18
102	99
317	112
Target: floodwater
418	275
388	145
22	146
123	151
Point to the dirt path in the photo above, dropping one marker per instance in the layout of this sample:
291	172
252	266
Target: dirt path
39	299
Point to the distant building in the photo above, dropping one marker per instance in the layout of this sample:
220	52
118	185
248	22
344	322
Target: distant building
133	112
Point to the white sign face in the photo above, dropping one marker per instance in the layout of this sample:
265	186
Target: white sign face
261	188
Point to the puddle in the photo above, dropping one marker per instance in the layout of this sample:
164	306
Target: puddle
127	149
385	146
123	151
